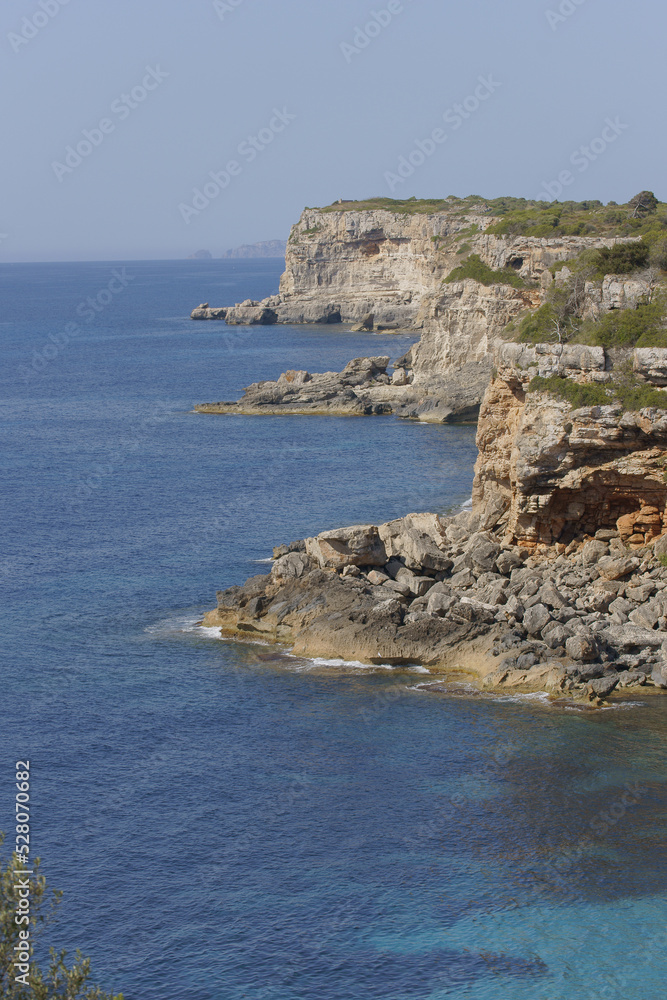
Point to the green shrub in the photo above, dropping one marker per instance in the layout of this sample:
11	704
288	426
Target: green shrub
621	258
537	327
640	327
626	390
475	268
571	218
588	394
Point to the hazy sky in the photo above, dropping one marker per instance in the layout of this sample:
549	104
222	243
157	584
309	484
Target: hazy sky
289	104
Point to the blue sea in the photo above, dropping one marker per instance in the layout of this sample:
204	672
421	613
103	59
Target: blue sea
228	821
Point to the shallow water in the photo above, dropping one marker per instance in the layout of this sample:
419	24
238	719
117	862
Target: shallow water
229	821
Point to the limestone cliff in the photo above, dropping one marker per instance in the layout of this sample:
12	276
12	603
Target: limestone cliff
388	270
553	472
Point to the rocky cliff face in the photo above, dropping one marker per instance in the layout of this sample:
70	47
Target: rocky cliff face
385	270
554	472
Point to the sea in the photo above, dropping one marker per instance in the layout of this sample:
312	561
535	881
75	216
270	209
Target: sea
227	820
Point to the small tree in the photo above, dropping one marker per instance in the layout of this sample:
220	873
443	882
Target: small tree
644	203
59	982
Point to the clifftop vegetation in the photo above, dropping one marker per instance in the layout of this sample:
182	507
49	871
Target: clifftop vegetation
475	268
626	390
509	216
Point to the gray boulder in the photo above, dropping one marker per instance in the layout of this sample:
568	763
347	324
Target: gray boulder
603	687
506	561
659	675
359	545
439	604
419	541
593	551
556	636
483	551
535	619
582	647
612	568
551	597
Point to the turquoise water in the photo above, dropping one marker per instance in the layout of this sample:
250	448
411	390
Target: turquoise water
227	821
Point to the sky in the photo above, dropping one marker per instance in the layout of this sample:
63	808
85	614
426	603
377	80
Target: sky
150	129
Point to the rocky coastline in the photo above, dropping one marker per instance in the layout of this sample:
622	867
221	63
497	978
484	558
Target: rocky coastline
451	595
556	581
378	270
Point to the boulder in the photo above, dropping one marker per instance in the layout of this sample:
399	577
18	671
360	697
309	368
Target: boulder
631	678
418	540
627	637
556	635
483	551
506	561
640	594
593	551
581	647
603	687
366	324
292	565
377	578
462	580
616	568
359	545
660	546
551	597
606	534
622	607
647	615
659	675
439	604
535	619
250	315
204	311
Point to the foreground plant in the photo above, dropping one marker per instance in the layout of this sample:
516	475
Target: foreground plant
20	926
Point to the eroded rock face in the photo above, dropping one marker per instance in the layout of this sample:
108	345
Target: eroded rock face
381	270
558	472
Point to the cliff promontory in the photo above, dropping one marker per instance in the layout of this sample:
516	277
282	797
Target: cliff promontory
456	272
557	579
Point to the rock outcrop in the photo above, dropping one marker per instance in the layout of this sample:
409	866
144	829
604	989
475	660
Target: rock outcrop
381	270
452	595
361	389
204	311
558	472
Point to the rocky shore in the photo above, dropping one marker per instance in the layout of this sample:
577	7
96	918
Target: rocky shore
363	388
556	580
452	595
